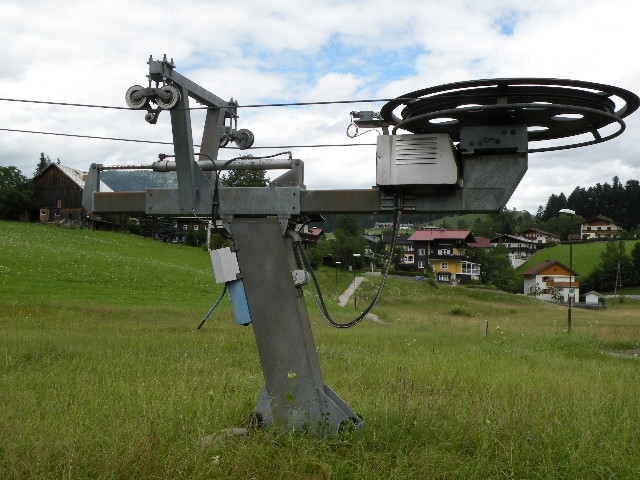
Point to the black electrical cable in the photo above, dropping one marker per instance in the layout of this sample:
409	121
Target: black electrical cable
257	105
274	147
84	136
322	305
206	317
63	104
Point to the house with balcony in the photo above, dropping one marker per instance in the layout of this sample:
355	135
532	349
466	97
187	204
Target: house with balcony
407	259
600	228
539	236
551	281
519	248
446	252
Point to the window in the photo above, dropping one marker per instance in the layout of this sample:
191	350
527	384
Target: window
444	251
420	264
195	227
444	265
408	248
421	252
184	227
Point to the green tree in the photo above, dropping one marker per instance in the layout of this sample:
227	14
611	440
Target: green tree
316	254
43	162
562	225
161	228
496	268
603	277
16	193
554	205
348	240
635	260
534	290
195	238
244	178
218	241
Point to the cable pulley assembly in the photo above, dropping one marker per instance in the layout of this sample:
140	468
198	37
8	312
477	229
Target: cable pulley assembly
166	97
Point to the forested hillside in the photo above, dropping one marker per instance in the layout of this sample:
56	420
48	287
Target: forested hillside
616	201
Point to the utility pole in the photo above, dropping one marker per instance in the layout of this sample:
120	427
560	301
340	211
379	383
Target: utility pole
618	283
570	296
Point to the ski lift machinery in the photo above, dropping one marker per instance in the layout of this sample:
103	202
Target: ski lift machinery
463	148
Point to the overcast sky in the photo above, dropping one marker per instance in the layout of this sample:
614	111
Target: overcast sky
261	52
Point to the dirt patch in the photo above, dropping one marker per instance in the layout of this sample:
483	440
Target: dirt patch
633	353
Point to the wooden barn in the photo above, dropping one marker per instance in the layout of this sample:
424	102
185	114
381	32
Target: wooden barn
58	192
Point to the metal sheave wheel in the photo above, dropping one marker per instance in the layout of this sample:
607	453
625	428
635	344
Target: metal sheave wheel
166	104
134	101
244	139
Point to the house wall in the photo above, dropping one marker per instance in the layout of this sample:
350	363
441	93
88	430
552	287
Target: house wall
58	197
539	237
549	278
600	229
448	260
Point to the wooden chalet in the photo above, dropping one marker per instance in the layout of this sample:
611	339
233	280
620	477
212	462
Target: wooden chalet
58	193
552	280
600	228
539	236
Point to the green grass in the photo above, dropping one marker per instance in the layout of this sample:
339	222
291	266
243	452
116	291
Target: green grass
586	256
104	375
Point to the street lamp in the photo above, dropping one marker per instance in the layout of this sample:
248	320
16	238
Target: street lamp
355	297
571	213
337	267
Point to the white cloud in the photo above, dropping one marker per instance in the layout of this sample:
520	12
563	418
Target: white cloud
292	51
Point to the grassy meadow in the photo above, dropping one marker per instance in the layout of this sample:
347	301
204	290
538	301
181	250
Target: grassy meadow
103	375
586	256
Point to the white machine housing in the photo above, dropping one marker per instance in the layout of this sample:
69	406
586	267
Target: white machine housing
416	162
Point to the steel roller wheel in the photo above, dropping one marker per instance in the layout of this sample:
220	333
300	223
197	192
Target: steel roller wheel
171	102
134	101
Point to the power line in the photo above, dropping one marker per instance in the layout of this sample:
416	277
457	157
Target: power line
257	105
42	102
92	137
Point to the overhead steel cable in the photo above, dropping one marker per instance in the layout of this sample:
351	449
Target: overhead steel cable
255	105
62	104
93	137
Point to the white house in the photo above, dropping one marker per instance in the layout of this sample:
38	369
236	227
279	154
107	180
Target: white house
539	236
551	280
592	297
519	248
600	227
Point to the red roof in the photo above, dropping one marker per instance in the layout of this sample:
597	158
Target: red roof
430	235
481	242
537	230
544	265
